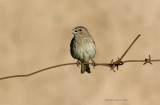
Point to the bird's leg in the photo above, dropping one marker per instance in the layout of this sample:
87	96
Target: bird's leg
78	63
93	64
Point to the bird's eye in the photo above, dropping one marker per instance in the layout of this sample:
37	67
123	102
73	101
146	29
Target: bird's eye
75	30
80	30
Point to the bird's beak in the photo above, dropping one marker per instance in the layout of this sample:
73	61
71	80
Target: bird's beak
73	31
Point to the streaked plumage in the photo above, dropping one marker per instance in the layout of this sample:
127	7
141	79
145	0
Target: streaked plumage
82	47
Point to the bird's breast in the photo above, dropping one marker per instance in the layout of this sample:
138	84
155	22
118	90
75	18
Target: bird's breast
84	49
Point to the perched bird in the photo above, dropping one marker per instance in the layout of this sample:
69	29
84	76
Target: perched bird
83	48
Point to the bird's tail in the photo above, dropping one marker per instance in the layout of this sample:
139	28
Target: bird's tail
85	67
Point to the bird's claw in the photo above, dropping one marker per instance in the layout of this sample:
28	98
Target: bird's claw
78	63
93	64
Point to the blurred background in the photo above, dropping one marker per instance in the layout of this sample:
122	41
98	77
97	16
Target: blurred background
35	34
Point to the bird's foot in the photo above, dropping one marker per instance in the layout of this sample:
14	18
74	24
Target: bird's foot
93	64
78	63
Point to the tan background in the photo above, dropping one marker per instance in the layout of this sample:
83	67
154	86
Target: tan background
35	34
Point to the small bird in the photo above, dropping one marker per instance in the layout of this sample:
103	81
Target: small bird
83	48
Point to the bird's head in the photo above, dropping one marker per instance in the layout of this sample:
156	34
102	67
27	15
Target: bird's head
80	31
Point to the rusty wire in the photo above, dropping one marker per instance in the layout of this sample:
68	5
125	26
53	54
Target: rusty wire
111	65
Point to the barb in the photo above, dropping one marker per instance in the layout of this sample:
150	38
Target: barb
111	65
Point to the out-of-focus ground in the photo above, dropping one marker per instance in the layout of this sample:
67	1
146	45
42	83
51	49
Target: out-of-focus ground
36	34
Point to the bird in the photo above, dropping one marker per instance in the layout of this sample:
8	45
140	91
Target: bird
83	48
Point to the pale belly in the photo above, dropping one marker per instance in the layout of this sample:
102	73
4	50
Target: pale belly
84	53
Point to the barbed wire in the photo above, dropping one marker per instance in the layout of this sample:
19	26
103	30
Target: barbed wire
112	65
